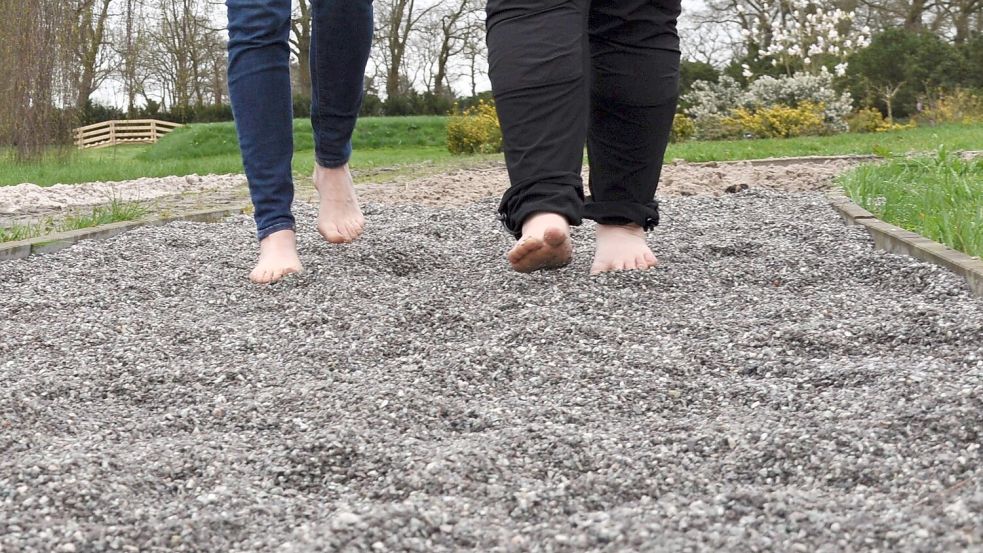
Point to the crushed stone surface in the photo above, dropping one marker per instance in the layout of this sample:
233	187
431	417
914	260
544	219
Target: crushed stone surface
776	385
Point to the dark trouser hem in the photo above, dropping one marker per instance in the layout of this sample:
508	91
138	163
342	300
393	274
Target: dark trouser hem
546	197
283	224
332	162
623	213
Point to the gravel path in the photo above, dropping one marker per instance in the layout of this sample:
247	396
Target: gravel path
776	385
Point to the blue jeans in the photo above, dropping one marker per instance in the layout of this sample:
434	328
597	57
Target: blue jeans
259	86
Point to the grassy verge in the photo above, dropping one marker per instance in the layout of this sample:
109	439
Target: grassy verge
113	212
928	139
939	197
391	147
392	143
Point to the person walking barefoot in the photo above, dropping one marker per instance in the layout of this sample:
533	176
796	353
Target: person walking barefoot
566	72
262	103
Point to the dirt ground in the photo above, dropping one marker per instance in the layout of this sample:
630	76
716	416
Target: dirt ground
678	179
27	203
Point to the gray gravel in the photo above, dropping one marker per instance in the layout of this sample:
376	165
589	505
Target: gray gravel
776	385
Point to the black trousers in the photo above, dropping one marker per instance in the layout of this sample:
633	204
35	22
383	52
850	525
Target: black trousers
566	72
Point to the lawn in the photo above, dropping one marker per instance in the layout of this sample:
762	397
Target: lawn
416	144
939	197
927	139
380	143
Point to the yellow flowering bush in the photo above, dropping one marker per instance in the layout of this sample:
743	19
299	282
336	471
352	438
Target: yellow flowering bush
960	106
475	131
683	128
779	121
869	120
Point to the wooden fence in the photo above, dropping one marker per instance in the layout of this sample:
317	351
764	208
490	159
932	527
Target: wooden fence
111	133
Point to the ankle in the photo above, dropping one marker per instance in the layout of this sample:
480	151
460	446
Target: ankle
630	228
331	170
538	222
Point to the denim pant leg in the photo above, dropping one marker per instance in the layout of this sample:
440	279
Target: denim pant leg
537	58
634	50
342	38
259	86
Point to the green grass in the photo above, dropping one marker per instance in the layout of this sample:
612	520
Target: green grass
114	212
213	148
411	143
928	139
939	197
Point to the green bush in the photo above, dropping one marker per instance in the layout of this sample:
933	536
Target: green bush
475	131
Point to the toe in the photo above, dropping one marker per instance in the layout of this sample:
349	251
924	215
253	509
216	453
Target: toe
332	235
600	267
650	259
523	248
641	263
262	277
555	237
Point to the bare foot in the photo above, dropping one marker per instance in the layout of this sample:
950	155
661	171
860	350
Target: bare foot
340	220
545	244
277	258
622	248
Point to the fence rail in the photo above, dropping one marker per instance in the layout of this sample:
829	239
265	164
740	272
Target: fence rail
111	133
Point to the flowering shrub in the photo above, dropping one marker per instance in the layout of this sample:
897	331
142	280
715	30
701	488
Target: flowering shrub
872	120
714	106
803	88
709	98
683	128
800	35
475	131
960	106
779	121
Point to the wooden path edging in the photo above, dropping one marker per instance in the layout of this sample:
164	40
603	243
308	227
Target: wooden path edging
61	240
896	240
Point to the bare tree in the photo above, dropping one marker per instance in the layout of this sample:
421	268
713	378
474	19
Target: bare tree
36	52
396	23
91	54
130	41
452	25
184	53
300	44
962	14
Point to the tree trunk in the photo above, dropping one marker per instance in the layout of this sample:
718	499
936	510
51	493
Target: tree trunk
913	16
301	26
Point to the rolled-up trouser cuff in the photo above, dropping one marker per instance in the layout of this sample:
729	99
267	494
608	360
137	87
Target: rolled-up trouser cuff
522	201
623	213
285	224
338	157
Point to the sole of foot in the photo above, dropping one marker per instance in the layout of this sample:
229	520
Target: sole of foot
340	219
545	244
277	258
622	248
